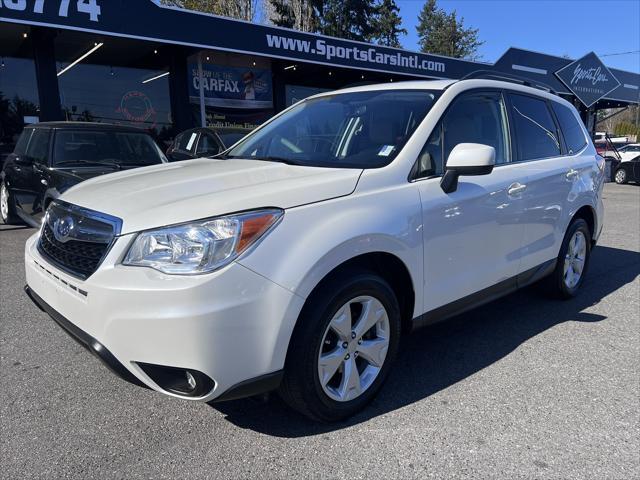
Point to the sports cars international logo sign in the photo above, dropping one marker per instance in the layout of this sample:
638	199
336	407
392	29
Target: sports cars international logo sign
588	78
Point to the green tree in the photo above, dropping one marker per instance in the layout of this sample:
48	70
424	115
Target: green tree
297	14
281	13
242	9
208	6
444	33
348	19
388	24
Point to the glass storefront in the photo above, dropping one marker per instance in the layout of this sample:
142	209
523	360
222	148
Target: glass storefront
18	98
101	93
295	93
237	90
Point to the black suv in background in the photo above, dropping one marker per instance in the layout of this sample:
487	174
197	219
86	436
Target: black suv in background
203	142
51	157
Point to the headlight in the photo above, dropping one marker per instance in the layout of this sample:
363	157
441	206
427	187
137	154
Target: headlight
202	246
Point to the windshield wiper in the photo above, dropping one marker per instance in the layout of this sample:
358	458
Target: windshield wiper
288	161
117	166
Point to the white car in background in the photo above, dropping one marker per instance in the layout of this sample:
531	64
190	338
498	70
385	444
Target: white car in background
296	260
629	152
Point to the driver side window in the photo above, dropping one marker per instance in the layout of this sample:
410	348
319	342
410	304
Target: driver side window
38	150
476	117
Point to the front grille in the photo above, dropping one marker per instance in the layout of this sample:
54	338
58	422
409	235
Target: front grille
81	241
80	258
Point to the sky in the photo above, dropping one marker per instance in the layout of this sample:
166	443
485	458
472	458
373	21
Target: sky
556	27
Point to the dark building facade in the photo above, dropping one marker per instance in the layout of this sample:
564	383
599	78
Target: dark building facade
165	69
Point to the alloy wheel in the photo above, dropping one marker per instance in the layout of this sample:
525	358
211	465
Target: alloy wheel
354	348
4	202
575	259
620	176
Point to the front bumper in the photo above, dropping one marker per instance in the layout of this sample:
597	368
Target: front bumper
84	339
232	325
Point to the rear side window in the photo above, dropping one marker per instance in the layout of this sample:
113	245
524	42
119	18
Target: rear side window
535	129
207	144
23	141
77	147
573	134
38	150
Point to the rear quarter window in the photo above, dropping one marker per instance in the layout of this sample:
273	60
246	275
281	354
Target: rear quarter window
571	129
186	141
535	128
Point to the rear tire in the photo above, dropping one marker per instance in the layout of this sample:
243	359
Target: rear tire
343	346
8	206
573	261
621	176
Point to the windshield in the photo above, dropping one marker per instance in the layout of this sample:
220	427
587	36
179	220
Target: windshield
118	149
229	138
349	130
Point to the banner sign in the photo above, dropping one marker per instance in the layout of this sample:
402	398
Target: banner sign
152	21
231	87
588	78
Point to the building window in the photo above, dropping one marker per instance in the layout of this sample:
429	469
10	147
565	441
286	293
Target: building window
237	90
102	93
18	99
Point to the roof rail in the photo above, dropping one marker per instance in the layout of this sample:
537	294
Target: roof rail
507	77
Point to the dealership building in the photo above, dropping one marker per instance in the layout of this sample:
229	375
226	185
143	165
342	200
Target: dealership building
165	69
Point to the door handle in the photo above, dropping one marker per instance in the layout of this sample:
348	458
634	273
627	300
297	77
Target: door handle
44	182
572	174
516	188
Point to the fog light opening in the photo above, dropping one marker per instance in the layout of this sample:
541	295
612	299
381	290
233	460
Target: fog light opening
190	380
181	381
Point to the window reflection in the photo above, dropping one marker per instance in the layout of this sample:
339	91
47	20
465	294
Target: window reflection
18	99
102	93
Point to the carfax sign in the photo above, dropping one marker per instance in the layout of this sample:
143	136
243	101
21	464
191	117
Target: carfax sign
231	87
588	78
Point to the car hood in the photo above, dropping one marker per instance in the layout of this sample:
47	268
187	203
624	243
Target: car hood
160	195
81	174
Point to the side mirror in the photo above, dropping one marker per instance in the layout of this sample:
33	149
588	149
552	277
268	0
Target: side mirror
467	159
22	160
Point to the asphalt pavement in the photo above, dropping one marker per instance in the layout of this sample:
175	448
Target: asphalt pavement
524	387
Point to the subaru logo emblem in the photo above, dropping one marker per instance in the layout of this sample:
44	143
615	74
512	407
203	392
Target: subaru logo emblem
62	228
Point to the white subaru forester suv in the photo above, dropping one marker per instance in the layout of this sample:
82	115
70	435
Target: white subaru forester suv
295	260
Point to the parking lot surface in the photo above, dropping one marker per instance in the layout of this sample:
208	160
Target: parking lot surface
524	387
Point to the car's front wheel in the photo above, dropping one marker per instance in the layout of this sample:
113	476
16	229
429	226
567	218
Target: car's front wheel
7	206
621	176
343	346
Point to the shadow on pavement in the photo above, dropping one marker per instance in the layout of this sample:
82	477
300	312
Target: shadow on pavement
9	228
437	357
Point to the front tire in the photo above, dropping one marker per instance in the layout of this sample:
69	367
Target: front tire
573	261
8	206
343	346
620	176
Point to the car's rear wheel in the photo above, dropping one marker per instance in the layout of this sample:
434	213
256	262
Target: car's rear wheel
7	206
343	346
573	260
621	176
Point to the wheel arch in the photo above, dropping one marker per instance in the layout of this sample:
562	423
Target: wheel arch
389	267
588	214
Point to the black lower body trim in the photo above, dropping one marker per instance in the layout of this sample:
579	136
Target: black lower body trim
485	296
84	339
253	386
